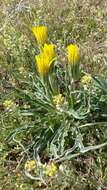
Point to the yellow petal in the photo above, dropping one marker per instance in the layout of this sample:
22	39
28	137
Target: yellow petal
73	53
40	32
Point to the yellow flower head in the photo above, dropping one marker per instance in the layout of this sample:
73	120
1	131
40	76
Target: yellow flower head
49	50
42	64
40	32
73	53
8	104
51	169
45	59
58	99
86	79
30	165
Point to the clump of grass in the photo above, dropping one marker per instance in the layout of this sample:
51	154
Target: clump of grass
58	118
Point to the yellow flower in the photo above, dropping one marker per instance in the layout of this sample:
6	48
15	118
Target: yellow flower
50	169
45	59
40	32
30	165
86	79
49	50
42	64
58	99
73	59
73	53
8	104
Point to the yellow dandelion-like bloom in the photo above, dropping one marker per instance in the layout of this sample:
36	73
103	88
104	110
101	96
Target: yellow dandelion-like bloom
30	165
45	59
43	64
49	50
58	99
40	32
73	53
50	169
86	79
8	104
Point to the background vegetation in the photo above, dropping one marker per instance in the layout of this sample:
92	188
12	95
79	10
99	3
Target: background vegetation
84	21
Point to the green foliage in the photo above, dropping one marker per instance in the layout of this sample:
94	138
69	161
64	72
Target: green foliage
58	116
